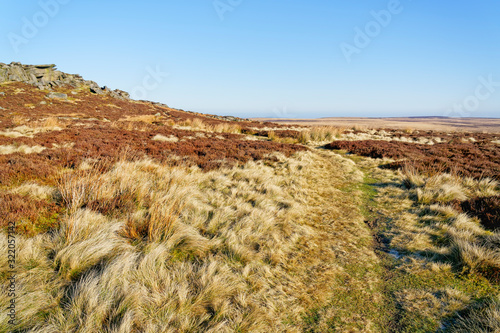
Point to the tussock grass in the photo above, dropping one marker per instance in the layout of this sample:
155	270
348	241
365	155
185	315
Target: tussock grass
36	191
52	122
149	247
320	134
171	138
440	261
86	239
26	131
199	125
411	178
271	246
10	149
148	119
363	133
29	128
444	188
436	227
482	317
444	192
271	135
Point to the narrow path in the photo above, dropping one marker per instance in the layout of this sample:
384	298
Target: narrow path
344	274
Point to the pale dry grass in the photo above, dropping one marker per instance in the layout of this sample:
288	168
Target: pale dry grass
483	317
65	145
242	249
251	249
443	192
31	128
264	247
86	239
434	305
319	134
281	128
19	120
444	188
11	149
381	135
432	242
171	138
52	122
39	192
197	124
149	119
438	228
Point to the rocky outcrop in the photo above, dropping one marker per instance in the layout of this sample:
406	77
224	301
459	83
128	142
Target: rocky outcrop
227	118
47	77
57	95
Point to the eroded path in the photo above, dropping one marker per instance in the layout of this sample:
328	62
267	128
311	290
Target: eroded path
345	272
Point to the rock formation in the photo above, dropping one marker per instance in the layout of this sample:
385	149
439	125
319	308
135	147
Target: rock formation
46	77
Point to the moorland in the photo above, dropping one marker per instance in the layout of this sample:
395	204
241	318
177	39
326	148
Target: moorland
132	216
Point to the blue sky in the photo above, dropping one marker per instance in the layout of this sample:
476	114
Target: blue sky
255	58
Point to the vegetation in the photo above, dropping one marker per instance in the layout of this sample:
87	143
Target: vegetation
136	217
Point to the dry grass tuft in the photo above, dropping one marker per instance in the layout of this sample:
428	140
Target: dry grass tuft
271	135
171	138
197	124
148	119
19	120
411	178
148	247
11	149
461	238
225	128
482	317
29	129
441	259
318	134
52	122
446	188
36	191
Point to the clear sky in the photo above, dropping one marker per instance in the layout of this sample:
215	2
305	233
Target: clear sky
292	58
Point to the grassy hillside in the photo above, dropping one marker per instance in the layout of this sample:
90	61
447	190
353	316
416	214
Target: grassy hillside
136	217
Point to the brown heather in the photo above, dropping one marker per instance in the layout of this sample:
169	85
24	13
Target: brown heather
479	159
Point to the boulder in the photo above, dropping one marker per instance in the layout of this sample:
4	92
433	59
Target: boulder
45	66
57	95
120	94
